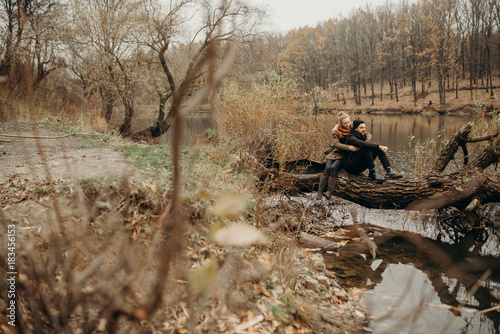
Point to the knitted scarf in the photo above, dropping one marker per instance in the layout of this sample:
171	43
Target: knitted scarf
358	135
343	132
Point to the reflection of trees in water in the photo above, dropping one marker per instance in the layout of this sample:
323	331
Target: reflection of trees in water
193	126
468	263
452	267
469	230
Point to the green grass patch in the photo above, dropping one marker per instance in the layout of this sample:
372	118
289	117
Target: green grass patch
56	127
205	171
89	140
42	191
99	182
280	313
153	159
94	141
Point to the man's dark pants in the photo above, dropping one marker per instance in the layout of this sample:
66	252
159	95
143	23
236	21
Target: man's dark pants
364	158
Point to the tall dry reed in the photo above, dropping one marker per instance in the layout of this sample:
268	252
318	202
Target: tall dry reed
264	119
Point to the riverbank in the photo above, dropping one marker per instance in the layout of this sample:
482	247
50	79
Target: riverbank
91	197
461	102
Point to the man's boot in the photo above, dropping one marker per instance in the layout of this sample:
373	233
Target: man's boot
373	175
322	184
332	181
391	174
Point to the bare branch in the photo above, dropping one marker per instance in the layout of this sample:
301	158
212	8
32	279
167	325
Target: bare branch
166	68
482	138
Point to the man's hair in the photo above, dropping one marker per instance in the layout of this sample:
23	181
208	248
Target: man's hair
357	123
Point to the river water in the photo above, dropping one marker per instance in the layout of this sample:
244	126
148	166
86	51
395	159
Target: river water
398	132
430	279
401	132
424	279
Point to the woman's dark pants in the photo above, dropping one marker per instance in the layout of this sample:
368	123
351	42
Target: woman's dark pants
332	167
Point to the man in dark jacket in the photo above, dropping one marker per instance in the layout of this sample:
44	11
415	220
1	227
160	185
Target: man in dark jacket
364	158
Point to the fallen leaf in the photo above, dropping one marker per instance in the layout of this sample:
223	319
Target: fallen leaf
229	205
264	260
238	234
250	323
103	205
152	187
203	277
264	291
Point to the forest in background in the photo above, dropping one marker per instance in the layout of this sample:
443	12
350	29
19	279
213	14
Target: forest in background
109	59
398	45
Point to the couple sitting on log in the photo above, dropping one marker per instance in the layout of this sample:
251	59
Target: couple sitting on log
352	149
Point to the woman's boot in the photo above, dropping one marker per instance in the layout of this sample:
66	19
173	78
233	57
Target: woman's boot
332	181
322	184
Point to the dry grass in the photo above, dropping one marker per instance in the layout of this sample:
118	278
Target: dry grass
266	123
88	259
425	153
89	120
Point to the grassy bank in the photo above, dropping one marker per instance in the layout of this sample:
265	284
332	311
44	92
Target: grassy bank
101	254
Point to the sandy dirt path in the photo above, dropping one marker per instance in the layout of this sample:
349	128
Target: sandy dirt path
34	161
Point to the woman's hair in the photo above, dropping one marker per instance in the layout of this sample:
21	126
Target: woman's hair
342	115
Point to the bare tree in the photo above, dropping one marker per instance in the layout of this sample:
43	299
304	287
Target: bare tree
488	36
101	38
28	28
220	25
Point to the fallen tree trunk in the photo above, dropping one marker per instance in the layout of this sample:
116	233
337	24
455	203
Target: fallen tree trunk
433	190
428	192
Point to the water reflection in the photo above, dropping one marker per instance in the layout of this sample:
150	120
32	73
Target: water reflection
194	125
395	131
416	307
424	224
417	284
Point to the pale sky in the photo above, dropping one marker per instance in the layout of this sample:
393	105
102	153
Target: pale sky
290	14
